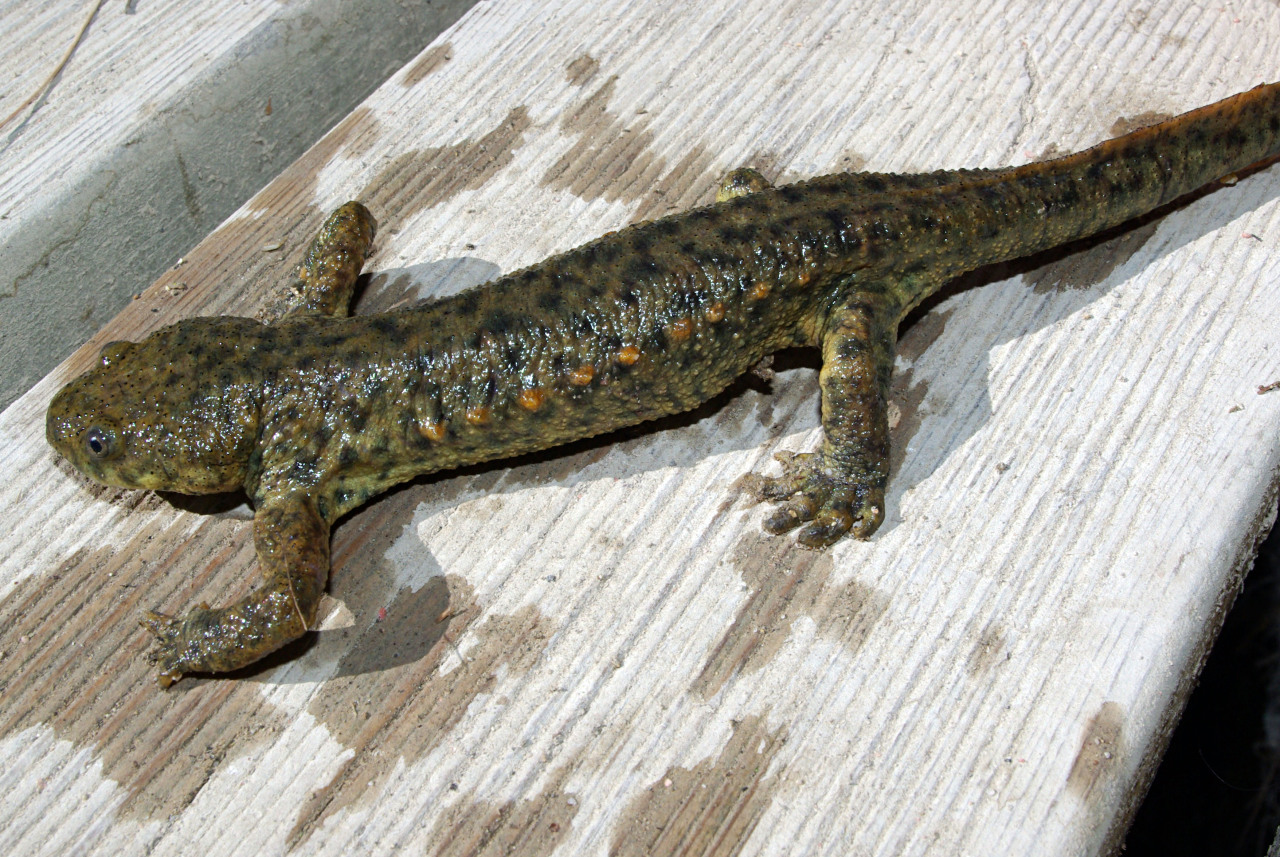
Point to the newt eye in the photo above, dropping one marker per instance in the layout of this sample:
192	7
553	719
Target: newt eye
101	443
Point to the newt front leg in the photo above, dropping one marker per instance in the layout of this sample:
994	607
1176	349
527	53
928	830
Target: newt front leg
290	533
293	553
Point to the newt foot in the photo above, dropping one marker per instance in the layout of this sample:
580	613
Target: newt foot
828	502
180	643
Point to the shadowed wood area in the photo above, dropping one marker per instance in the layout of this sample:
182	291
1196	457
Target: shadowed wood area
596	650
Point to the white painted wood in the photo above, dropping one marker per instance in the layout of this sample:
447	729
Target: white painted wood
598	652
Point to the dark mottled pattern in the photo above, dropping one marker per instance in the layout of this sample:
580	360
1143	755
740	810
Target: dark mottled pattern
317	413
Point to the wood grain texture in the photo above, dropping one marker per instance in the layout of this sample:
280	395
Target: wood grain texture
597	651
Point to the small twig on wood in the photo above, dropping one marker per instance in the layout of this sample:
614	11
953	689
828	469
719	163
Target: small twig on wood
43	87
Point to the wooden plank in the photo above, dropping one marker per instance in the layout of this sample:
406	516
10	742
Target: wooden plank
167	117
597	651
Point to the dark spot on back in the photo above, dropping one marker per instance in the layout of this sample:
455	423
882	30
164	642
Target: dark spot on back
734	234
640	268
469	302
499	321
874	183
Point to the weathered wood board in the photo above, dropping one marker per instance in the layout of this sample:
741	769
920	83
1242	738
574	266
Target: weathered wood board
597	651
167	117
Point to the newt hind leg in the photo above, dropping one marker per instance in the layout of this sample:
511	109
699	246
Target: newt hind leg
840	488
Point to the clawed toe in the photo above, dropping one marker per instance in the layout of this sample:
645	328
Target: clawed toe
167	631
789	483
829	527
792	515
162	626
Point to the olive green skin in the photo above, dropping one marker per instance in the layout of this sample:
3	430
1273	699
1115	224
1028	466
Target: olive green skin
316	414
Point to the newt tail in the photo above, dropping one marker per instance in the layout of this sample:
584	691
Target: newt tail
319	412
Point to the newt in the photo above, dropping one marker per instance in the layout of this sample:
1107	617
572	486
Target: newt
318	412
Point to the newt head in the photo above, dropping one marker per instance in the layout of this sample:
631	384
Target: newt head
175	412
